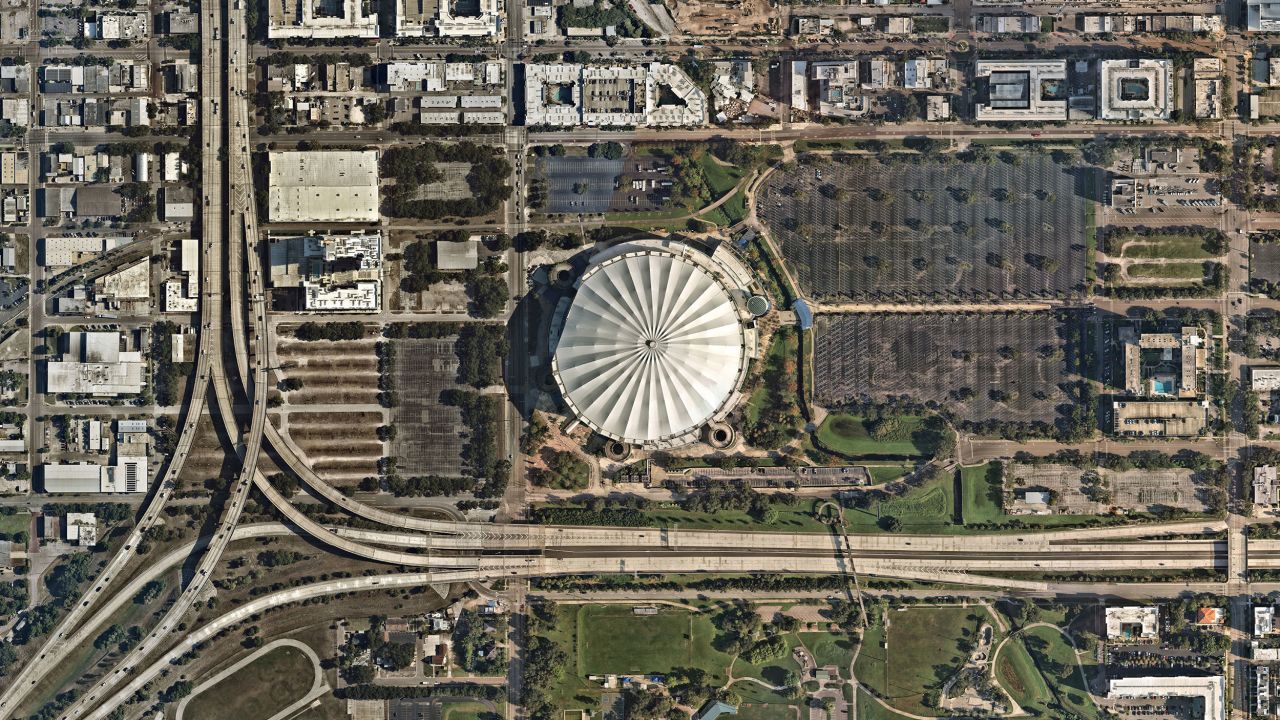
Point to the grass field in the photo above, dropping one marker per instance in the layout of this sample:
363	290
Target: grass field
466	710
869	709
614	640
922	650
928	508
1186	271
830	649
735	208
756	711
15	523
721	178
769	671
1018	675
260	689
1174	246
848	435
888	472
794	519
1050	649
781	347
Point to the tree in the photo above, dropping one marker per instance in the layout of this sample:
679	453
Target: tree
397	656
565	471
890	523
489	294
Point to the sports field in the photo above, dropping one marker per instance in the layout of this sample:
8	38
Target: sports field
612	639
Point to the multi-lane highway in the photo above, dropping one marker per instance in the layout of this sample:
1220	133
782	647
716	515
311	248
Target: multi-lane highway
58	644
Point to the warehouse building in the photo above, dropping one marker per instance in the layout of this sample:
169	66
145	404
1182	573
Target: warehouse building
323	186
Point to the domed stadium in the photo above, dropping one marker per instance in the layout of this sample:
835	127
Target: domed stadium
656	342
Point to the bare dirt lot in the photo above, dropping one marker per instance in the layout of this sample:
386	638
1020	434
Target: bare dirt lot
340	441
708	17
1140	490
357	453
1007	366
331	372
208	458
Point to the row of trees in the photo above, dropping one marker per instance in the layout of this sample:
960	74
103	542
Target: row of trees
482	414
333	331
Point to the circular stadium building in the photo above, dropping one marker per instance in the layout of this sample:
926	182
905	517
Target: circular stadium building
655	343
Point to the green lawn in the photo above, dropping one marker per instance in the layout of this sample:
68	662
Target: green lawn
465	710
869	709
1056	660
922	652
793	519
929	508
1090	242
603	639
781	346
770	671
15	523
1174	246
1018	675
1185	271
735	208
849	435
757	711
721	178
830	649
614	640
258	690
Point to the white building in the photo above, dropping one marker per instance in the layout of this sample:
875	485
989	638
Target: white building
1265	491
335	272
1264	620
94	364
310	19
415	18
1135	89
1264	379
1210	690
1133	622
80	528
568	94
323	186
1021	90
1264	15
607	355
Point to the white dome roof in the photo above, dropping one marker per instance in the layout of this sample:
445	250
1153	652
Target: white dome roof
652	347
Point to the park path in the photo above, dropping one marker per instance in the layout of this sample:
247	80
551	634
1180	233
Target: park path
1075	653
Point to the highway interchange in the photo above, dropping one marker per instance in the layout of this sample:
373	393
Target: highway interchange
232	308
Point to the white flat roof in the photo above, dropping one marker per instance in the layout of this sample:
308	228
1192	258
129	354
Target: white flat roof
323	186
1211	689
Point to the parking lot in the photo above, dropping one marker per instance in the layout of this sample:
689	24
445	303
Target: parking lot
1264	258
1007	366
1097	491
856	228
598	185
430	437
